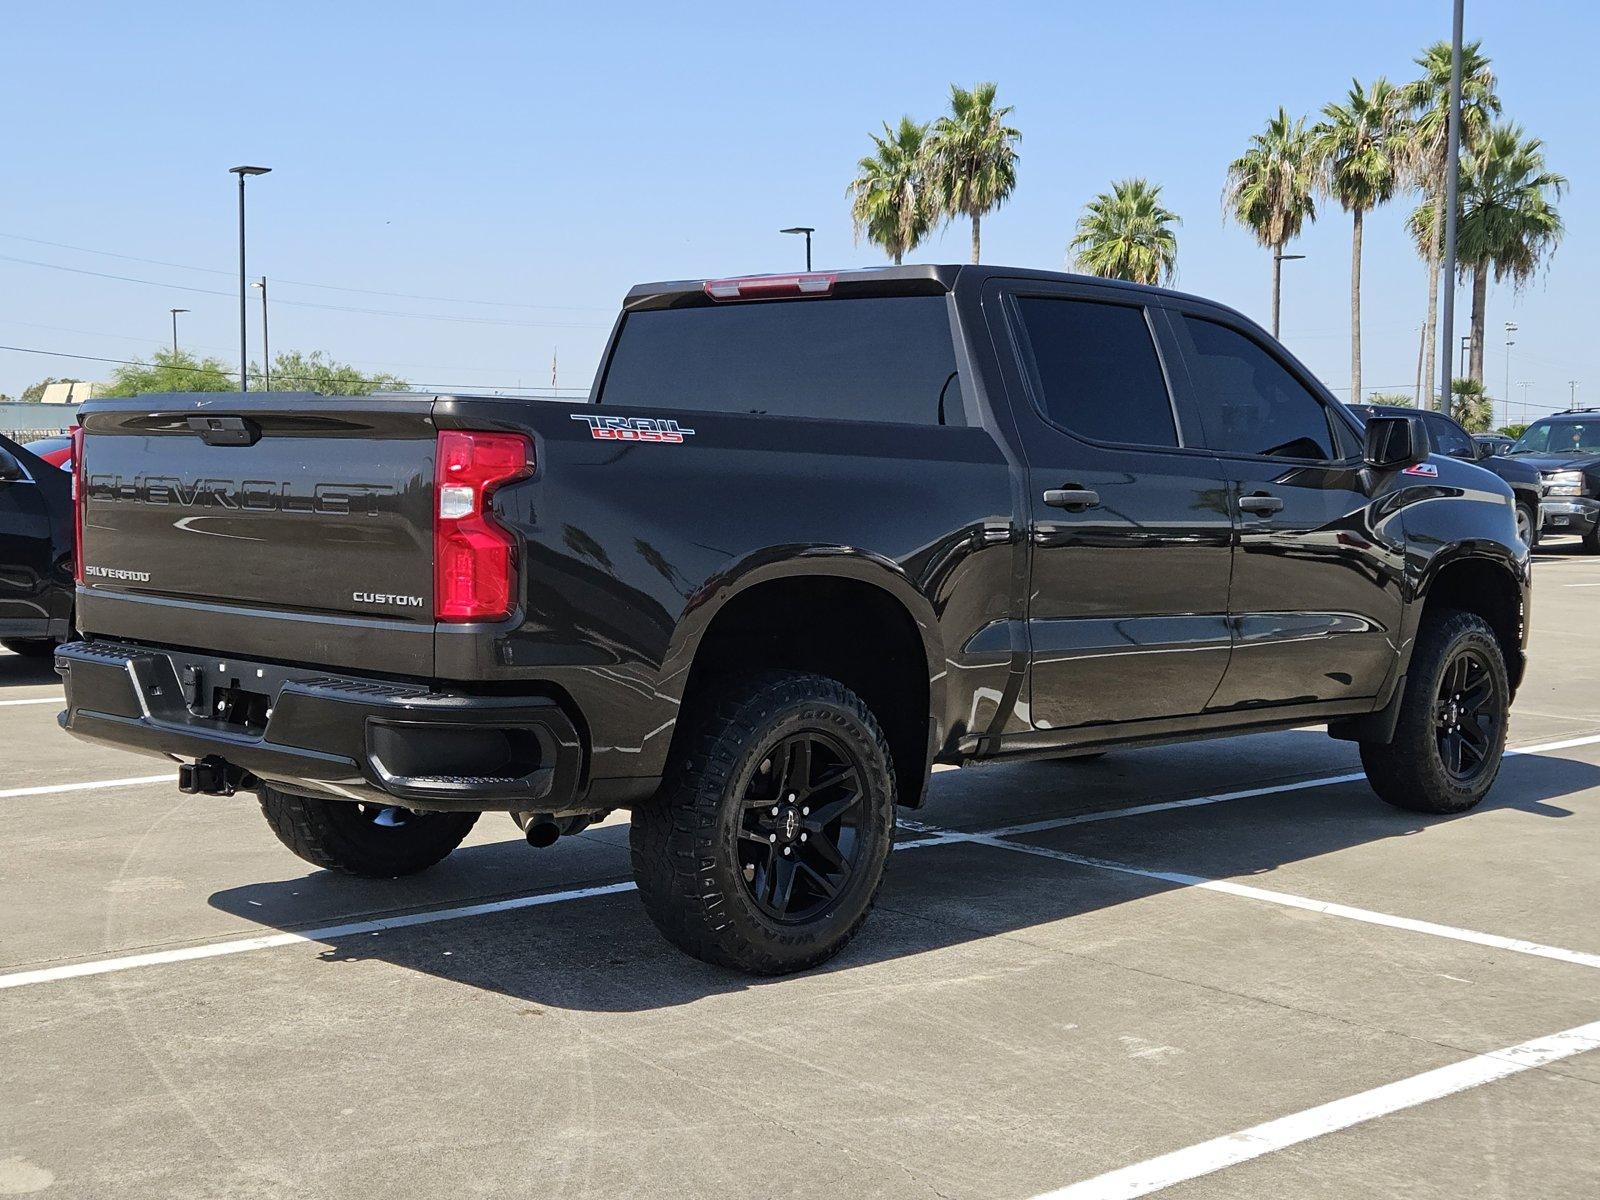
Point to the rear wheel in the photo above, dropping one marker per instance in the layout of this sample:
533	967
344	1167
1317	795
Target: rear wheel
376	841
766	845
1451	734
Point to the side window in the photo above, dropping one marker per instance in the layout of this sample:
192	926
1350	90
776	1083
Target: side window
1097	370
1448	437
1249	402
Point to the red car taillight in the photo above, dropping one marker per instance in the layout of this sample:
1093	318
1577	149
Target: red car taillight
79	499
474	564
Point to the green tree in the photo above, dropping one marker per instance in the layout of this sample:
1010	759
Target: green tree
1427	100
1127	233
169	371
1269	190
1514	430
1393	399
1471	405
34	392
316	372
972	157
1508	224
1357	145
890	202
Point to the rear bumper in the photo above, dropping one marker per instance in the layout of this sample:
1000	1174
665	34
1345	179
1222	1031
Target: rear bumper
345	736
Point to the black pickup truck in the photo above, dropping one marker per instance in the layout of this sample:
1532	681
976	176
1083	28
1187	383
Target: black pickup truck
809	536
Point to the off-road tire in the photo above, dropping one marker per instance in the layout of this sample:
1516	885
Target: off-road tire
340	835
1409	771
30	647
686	841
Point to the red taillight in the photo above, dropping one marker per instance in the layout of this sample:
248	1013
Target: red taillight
473	557
770	287
79	499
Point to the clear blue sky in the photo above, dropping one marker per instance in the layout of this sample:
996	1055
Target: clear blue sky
554	154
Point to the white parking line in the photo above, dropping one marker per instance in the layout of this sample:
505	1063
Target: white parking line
106	966
60	701
1157	1173
1287	900
88	786
938	837
1116	814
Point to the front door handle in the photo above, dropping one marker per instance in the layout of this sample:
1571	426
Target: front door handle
1072	499
1261	504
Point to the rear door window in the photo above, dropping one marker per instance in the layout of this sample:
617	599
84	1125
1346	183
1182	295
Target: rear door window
1248	400
1448	437
888	358
1096	371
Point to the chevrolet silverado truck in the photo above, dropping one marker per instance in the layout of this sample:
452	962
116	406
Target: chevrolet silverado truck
809	536
1564	449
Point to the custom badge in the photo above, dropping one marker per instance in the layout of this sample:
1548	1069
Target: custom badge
1426	470
634	429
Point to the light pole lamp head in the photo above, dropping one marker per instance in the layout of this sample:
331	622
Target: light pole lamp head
176	311
241	172
799	229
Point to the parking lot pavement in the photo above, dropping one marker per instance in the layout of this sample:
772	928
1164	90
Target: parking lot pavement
1100	998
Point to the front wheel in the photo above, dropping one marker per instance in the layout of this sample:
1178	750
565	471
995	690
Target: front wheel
1451	734
1528	525
377	841
766	845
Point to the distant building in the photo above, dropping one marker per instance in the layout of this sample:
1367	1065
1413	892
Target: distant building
70	393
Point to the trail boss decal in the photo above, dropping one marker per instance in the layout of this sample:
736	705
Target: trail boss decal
634	429
1426	470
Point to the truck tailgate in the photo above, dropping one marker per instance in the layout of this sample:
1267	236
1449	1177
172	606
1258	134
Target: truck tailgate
273	526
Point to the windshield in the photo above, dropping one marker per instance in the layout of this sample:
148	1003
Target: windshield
1559	437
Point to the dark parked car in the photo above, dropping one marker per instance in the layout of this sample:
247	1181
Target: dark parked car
1494	443
1450	437
36	540
1564	448
811	535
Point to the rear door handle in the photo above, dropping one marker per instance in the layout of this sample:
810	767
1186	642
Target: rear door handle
1261	504
1074	499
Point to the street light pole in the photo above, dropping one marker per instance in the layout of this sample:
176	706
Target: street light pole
175	312
808	230
1511	328
1524	384
244	291
266	351
1452	158
1572	394
1461	366
1278	259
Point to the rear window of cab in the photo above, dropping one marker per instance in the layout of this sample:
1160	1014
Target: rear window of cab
879	358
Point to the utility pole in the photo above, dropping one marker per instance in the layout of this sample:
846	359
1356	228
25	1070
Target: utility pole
1572	394
266	352
1524	384
175	312
1452	161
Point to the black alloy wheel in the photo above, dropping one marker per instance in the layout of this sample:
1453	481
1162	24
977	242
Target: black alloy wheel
799	836
1467	717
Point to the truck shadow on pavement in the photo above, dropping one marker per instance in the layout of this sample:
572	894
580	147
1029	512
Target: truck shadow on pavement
602	954
21	670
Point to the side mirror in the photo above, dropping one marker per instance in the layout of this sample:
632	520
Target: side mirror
1395	442
10	468
1485	449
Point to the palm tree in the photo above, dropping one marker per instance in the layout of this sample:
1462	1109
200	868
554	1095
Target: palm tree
1472	406
1126	233
1428	101
1508	223
1269	190
889	199
1356	146
972	157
